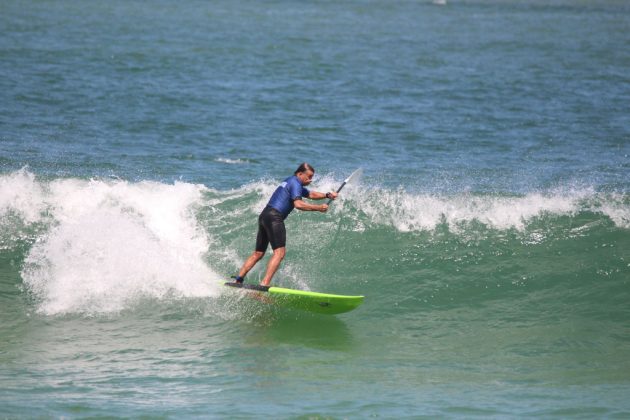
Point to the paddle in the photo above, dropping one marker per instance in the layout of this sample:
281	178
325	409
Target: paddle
354	176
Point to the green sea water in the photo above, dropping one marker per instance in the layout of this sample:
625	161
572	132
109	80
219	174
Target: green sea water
490	232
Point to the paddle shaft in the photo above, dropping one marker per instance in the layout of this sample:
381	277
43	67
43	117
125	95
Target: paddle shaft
344	183
330	200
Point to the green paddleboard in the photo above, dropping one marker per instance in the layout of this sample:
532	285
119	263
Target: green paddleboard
321	303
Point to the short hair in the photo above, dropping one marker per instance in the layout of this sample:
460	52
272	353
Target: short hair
303	168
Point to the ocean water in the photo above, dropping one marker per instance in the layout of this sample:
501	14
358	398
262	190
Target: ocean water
490	232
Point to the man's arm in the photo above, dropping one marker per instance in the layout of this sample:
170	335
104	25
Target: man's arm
314	195
304	206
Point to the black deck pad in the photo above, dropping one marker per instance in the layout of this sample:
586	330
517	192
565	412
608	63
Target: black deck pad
248	286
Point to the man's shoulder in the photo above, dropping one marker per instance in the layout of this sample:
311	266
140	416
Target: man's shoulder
292	181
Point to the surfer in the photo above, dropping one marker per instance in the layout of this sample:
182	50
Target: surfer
271	228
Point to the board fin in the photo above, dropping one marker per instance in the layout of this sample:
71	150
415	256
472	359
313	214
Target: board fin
248	286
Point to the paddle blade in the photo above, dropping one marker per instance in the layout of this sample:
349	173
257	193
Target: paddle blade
355	176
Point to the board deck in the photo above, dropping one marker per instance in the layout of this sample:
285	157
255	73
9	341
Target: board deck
322	303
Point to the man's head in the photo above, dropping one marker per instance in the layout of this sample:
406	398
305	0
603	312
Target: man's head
305	173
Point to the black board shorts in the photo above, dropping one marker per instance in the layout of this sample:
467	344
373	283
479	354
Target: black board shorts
271	230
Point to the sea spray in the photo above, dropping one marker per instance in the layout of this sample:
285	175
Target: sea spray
110	243
408	212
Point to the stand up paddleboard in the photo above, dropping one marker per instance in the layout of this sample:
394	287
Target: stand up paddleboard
321	303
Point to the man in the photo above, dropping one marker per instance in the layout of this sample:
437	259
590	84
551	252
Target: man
271	228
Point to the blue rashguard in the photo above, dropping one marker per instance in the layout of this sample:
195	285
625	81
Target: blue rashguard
290	190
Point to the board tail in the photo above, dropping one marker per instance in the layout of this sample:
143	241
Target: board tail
248	286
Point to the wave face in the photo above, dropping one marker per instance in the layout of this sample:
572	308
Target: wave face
102	246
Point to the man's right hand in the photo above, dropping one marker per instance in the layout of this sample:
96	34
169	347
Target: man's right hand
324	208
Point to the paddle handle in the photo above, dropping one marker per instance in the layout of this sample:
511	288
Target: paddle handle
330	200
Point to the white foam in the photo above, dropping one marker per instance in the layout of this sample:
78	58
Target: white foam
411	212
231	161
618	209
408	212
112	243
21	194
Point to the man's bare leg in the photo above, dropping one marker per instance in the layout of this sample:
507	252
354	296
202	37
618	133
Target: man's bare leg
250	263
272	266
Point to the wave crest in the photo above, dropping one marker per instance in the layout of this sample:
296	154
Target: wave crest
420	212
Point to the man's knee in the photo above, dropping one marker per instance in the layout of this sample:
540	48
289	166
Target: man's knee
279	252
258	255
